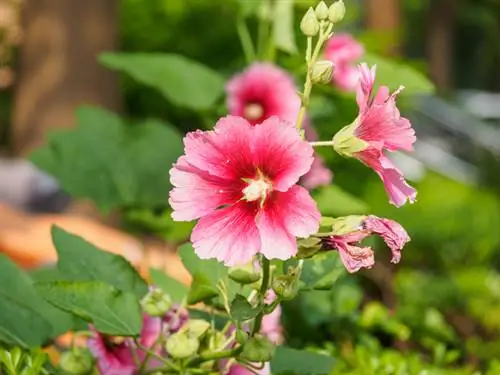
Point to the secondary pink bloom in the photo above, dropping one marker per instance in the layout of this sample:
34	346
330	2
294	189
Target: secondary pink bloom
379	127
261	91
356	257
240	181
344	51
116	358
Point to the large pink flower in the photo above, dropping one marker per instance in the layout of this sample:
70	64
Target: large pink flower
261	91
117	358
379	127
356	257
344	51
240	181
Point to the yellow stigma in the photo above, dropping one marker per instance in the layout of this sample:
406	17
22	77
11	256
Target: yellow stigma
253	111
257	189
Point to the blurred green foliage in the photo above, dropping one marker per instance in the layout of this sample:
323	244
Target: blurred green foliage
438	311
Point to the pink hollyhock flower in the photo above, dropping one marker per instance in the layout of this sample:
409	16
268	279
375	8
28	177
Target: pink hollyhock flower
116	358
352	230
261	91
344	51
378	127
240	181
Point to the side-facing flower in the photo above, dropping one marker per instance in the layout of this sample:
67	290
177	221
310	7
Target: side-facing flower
349	231
344	51
261	91
240	181
378	127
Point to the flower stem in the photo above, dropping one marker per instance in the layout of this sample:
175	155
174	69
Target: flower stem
321	143
222	354
266	273
245	40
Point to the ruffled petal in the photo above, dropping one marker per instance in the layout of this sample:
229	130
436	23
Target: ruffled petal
398	190
287	215
224	152
197	193
228	234
393	234
355	257
280	153
109	361
240	370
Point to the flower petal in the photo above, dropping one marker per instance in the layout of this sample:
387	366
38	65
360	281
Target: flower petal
395	185
287	215
354	257
318	175
393	234
224	152
197	193
280	153
228	234
110	362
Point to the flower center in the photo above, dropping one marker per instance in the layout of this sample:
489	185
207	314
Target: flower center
253	111
257	189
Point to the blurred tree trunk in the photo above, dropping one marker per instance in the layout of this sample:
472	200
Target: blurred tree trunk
58	70
439	44
384	18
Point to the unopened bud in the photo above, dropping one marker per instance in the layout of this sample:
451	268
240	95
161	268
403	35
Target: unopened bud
309	24
156	302
336	12
244	274
346	143
196	328
77	361
241	336
321	11
181	345
286	286
258	349
322	72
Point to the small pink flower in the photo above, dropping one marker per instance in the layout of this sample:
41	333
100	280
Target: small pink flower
240	181
379	127
344	51
261	91
355	257
240	370
117	358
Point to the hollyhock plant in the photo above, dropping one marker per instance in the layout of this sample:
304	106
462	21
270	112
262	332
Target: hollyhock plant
378	127
348	232
240	181
344	51
263	90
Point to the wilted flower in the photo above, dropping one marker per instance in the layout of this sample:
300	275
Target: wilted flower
261	91
240	180
378	127
356	257
344	51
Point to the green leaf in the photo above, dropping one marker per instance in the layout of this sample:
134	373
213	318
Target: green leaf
322	271
182	81
394	74
284	32
176	290
112	311
332	200
110	162
25	318
297	362
249	8
212	269
202	289
241	310
79	260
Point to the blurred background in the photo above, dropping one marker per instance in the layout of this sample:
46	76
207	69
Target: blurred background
437	312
